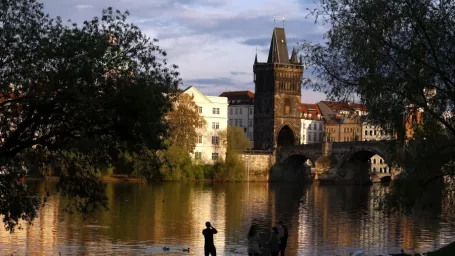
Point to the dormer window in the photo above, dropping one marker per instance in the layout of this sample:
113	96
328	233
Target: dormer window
305	115
309	115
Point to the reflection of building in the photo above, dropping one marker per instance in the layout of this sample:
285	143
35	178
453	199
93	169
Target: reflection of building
241	111
277	95
342	120
312	124
214	110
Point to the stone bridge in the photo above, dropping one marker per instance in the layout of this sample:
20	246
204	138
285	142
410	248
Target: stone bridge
334	162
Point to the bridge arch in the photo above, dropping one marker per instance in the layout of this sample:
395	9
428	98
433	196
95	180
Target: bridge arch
294	167
286	136
355	165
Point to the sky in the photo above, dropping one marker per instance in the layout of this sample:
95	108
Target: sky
212	41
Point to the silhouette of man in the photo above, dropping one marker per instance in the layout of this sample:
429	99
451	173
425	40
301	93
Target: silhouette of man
283	233
209	246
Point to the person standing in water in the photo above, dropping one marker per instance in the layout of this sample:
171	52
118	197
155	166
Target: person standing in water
209	246
253	241
283	232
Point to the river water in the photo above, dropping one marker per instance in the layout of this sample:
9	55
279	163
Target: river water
322	220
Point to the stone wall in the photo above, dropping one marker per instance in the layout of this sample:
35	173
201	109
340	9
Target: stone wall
258	164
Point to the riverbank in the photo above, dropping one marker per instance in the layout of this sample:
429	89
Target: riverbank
108	179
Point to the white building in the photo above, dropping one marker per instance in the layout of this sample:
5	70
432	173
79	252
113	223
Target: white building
312	124
374	132
241	111
214	110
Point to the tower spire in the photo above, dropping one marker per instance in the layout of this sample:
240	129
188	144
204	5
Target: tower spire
274	21
256	56
284	19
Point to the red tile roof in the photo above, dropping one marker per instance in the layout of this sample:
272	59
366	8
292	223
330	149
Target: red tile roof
312	109
336	106
236	94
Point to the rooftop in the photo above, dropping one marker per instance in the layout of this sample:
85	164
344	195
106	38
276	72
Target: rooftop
337	106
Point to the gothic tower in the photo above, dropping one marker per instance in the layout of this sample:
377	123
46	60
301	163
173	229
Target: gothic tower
277	95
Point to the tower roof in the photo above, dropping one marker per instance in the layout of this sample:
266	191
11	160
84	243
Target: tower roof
278	52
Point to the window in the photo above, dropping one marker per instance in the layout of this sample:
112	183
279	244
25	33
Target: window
240	123
309	136
287	106
315	138
200	110
216	111
236	122
309	127
198	155
199	139
236	111
320	127
230	111
199	124
215	140
240	111
375	132
371	132
250	123
214	156
251	111
215	125
381	161
374	161
366	132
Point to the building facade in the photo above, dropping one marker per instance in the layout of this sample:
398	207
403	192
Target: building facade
241	111
214	110
342	120
312	122
374	132
277	101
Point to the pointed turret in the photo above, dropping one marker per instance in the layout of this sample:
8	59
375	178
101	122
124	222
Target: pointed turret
256	58
278	52
294	59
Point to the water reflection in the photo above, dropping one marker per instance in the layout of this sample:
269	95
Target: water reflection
322	220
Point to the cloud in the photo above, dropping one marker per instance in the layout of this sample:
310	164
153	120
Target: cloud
212	41
263	41
238	73
84	6
210	81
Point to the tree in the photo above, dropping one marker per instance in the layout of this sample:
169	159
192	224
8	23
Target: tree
75	94
183	120
234	141
394	55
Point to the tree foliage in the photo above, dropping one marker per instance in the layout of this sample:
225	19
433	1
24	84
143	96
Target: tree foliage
394	55
79	93
183	120
234	141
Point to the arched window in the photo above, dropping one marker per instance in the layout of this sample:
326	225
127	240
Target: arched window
287	106
374	169
380	170
374	161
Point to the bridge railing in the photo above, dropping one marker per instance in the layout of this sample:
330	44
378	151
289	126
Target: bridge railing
258	151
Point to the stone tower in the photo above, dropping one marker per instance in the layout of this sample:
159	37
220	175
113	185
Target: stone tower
277	95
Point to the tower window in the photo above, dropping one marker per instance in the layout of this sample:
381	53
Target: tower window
287	106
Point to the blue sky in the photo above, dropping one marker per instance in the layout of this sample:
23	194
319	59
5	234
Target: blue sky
212	41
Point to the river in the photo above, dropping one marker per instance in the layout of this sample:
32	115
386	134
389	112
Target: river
322	220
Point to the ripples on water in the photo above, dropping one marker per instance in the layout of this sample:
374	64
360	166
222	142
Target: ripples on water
322	220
